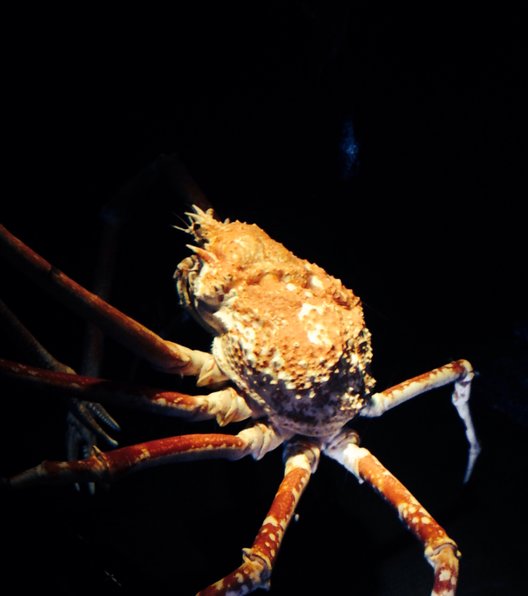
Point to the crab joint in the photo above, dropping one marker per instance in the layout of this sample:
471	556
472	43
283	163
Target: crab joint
196	363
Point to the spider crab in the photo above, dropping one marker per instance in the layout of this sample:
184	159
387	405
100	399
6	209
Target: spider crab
290	355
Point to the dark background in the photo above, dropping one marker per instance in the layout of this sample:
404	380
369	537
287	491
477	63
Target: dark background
387	146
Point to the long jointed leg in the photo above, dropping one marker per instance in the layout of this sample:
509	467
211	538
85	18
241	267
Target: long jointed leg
26	345
440	550
163	354
460	373
301	460
224	405
86	421
256	440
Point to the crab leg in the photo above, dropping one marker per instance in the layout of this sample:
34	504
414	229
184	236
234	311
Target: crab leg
163	354
301	461
225	405
459	372
29	347
440	550
84	420
256	440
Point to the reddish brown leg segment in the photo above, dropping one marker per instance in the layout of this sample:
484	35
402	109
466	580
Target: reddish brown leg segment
440	550
30	349
224	405
163	354
85	422
460	373
255	571
105	467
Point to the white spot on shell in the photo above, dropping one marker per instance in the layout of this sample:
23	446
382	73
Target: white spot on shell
317	335
315	282
306	309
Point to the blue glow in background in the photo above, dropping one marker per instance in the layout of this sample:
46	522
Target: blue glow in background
348	150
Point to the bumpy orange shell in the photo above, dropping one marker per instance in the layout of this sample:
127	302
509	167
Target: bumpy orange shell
291	337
